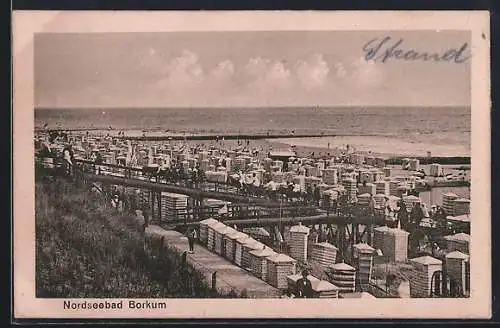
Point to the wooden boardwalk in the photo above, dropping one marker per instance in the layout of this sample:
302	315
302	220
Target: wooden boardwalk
229	276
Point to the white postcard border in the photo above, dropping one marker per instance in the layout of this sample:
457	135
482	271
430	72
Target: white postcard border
27	23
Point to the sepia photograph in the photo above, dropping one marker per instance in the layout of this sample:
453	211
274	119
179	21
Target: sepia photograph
254	163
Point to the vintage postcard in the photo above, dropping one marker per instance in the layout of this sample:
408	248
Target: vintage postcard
251	164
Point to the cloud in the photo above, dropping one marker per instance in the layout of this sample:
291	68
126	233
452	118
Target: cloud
367	73
185	70
279	75
257	66
267	74
340	70
183	76
272	80
313	72
223	72
152	61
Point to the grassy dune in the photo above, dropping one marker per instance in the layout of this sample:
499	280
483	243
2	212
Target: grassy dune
85	250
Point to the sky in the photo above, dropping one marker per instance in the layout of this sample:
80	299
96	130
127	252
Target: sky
244	69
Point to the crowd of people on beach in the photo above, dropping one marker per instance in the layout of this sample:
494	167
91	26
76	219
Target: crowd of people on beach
175	173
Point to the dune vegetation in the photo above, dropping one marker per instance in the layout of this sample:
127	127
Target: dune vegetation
85	249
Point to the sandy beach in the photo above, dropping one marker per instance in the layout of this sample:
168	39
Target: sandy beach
379	146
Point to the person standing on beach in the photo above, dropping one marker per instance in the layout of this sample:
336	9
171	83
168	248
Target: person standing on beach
304	286
191	238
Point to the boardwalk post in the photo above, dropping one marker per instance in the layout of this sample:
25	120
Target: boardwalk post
340	241
159	207
191	209
348	242
330	237
194	208
152	203
184	259
214	282
370	232
360	233
145	214
199	209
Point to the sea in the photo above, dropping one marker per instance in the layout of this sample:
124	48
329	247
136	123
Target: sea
442	131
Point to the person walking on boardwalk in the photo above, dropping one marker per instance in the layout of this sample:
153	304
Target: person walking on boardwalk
191	238
304	286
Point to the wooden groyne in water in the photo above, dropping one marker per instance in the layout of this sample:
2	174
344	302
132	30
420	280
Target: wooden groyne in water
225	137
426	160
158	136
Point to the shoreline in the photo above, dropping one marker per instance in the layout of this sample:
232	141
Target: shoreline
266	142
390	159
